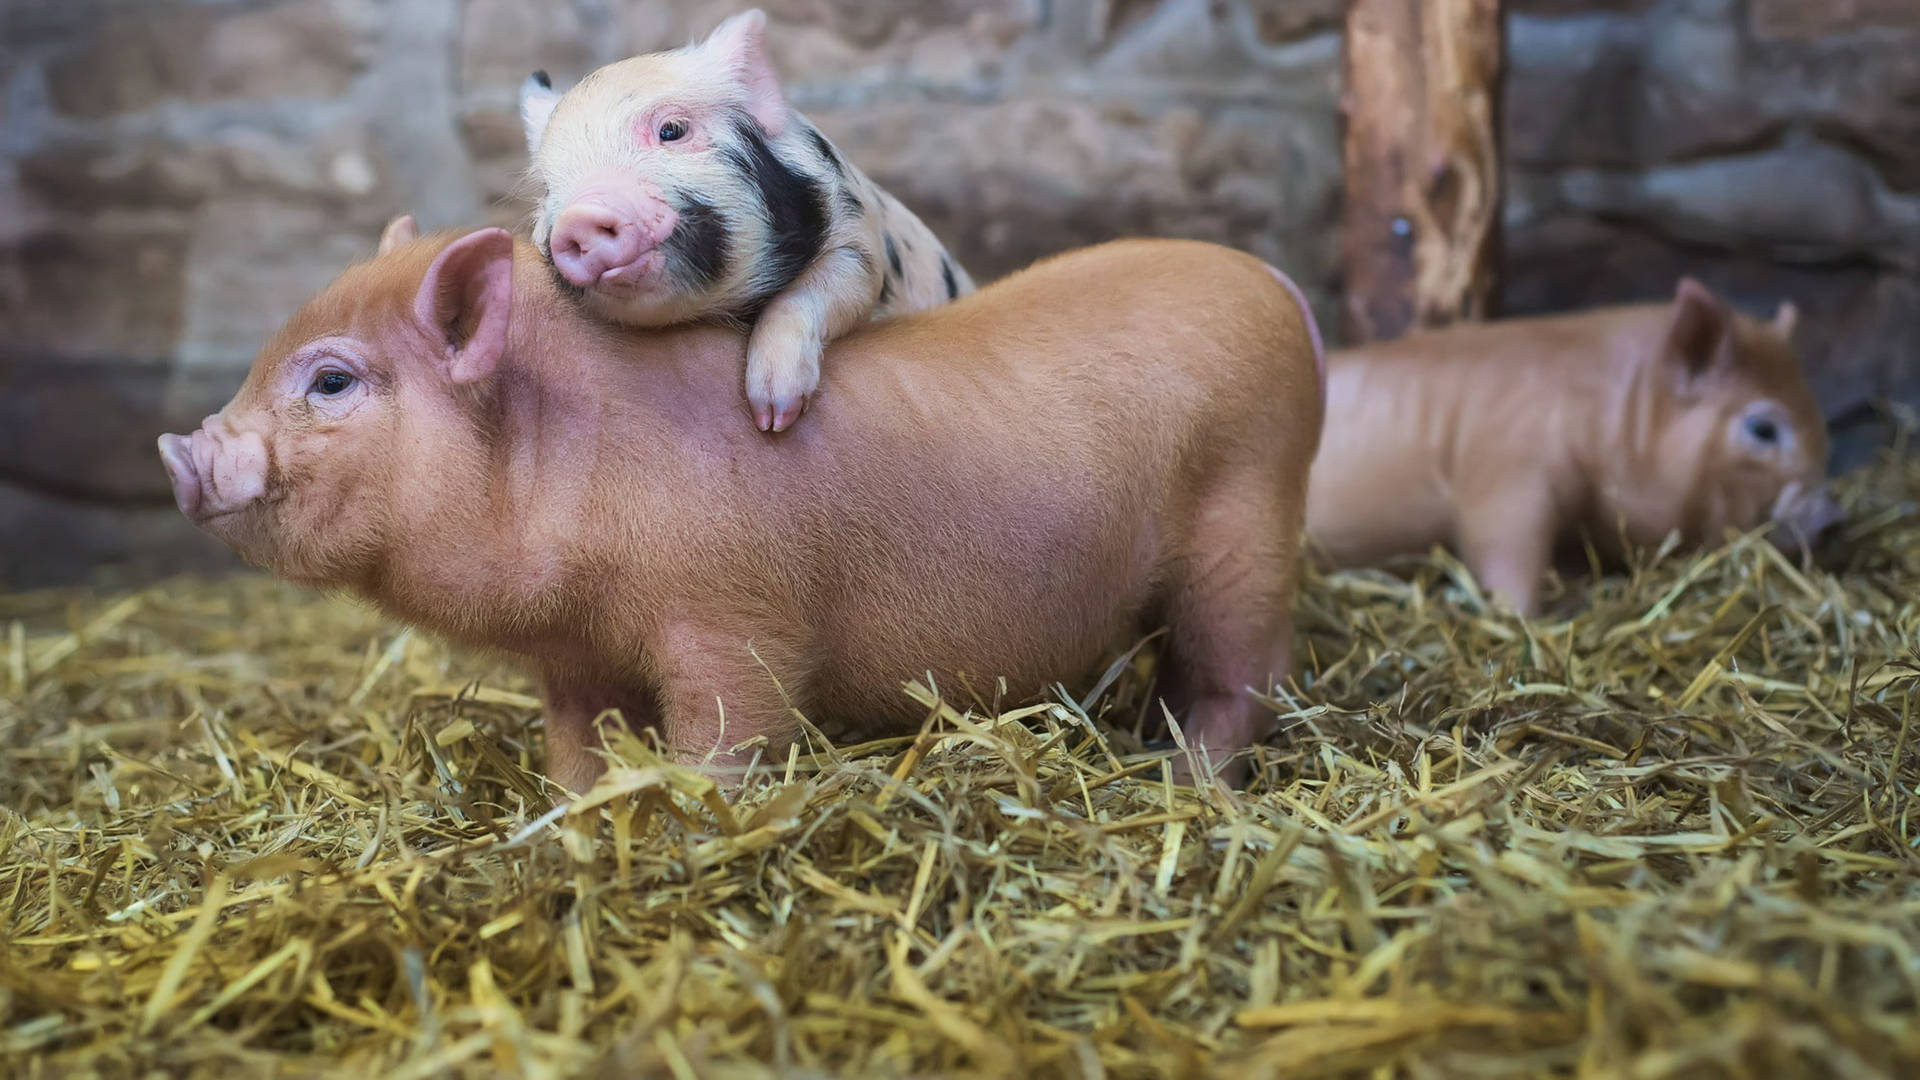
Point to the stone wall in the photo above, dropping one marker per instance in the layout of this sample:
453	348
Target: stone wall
177	175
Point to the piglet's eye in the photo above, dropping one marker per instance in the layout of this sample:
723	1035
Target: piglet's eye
331	383
673	130
1763	430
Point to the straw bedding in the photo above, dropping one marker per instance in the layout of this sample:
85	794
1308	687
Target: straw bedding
249	831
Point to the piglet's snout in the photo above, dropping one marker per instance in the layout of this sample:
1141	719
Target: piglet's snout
1806	519
216	470
605	237
177	455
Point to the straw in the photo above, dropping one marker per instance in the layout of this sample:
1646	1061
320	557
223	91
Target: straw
1668	831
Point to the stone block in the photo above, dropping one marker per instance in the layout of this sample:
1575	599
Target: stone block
106	285
1804	200
851	44
1288	20
254	260
46	540
501	41
85	429
1815	18
136	56
1006	183
1630	91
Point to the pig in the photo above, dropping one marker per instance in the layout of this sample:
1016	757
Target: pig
1012	485
1507	441
680	186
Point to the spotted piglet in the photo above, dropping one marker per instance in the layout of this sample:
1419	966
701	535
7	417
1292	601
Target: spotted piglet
680	186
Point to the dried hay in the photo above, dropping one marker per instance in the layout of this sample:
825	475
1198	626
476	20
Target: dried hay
246	831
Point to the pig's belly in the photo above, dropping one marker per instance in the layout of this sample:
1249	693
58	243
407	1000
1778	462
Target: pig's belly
1355	525
1028	605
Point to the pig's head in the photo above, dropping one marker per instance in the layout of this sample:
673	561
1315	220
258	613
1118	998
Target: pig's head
662	192
1737	439
352	412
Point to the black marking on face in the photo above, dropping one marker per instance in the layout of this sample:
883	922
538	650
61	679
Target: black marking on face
541	78
893	256
796	205
821	144
700	248
946	274
886	289
850	203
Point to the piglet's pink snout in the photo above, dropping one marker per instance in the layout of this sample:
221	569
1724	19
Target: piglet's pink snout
215	470
177	455
603	236
1806	518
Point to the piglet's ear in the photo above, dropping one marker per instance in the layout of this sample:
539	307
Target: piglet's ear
465	301
401	230
740	44
1699	323
1785	319
537	99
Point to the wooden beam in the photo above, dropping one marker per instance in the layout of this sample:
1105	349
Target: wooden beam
1421	229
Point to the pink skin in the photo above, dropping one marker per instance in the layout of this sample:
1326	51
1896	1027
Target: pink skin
608	237
215	471
1803	520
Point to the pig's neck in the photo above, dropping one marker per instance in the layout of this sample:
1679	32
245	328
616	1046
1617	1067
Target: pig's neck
518	552
1622	441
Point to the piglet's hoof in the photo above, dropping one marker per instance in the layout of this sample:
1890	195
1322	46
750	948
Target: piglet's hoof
1235	772
779	413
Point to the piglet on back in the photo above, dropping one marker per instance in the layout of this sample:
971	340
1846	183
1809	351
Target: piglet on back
682	185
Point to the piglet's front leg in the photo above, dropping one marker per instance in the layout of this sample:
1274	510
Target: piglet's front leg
721	687
572	706
832	296
1506	539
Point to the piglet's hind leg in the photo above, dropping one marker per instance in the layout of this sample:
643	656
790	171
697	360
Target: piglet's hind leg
1230	618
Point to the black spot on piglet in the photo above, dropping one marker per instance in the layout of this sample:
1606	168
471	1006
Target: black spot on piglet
541	78
821	144
796	206
946	273
850	203
893	255
702	244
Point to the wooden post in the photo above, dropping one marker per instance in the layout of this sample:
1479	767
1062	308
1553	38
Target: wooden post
1421	231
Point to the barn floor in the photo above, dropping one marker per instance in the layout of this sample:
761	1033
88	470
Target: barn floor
248	831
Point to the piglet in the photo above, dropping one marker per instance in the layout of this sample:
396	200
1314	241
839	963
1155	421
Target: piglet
681	185
1507	440
1009	486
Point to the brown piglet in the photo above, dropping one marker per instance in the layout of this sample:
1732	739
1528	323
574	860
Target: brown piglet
1506	440
1011	486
